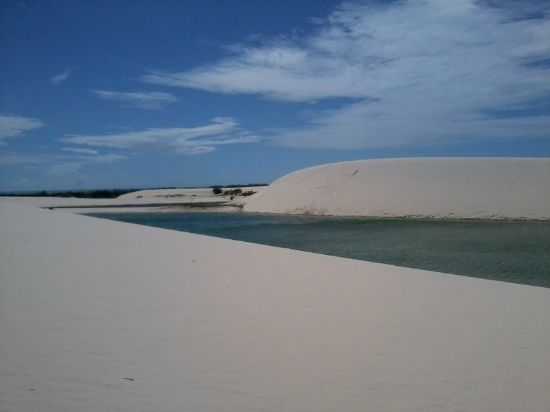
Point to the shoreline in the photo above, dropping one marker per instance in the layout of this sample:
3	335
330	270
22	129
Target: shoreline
223	206
238	210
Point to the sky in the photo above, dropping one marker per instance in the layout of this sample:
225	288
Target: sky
136	93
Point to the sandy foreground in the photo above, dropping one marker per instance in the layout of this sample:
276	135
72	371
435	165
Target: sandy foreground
481	188
97	315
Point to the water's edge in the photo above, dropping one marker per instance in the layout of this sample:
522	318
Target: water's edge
509	250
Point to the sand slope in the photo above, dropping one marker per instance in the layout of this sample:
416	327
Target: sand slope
426	187
97	315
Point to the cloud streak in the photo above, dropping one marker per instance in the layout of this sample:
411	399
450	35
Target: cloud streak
141	100
185	140
426	71
78	150
15	159
61	77
15	126
59	164
66	165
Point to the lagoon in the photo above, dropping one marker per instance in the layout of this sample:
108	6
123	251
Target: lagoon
512	251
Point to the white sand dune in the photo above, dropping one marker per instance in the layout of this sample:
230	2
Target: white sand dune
202	193
98	315
205	192
122	201
422	187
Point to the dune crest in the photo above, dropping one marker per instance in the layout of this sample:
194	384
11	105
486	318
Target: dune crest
483	188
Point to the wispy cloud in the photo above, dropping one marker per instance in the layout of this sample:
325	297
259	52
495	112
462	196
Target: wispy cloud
66	165
15	159
414	71
190	140
14	126
142	100
105	158
78	150
64	169
59	164
61	77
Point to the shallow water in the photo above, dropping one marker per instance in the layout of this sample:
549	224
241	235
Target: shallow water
508	251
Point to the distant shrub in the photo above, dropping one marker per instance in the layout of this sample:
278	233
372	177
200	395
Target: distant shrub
217	190
248	193
232	192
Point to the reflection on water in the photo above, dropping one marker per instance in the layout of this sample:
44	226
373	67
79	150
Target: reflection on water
509	251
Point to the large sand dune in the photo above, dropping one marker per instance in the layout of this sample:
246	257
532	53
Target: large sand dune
421	187
98	315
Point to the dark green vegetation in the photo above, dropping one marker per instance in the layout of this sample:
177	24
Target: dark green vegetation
113	193
88	194
508	251
217	190
246	185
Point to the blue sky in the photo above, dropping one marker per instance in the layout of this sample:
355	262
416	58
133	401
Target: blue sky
142	93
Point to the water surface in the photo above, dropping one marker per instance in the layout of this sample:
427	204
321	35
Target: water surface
509	251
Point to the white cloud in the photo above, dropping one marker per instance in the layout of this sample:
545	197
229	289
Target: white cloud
78	150
70	166
192	140
142	100
53	170
61	77
417	71
65	168
59	164
13	126
105	158
15	159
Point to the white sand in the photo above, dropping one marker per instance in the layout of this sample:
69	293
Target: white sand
427	187
168	193
143	200
206	324
202	193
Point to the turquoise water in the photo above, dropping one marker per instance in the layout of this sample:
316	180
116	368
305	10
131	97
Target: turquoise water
509	251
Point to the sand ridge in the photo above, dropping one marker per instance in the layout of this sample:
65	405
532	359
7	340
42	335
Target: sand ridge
482	188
